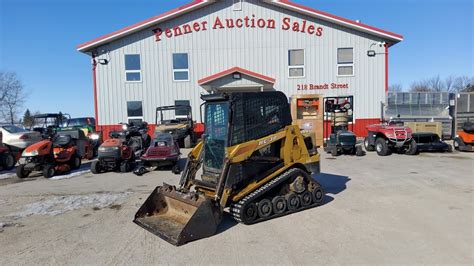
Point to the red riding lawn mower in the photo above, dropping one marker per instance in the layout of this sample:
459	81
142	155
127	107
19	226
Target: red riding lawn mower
389	137
7	160
57	154
163	151
121	150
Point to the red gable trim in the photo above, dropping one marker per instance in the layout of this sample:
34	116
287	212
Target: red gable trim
337	19
233	70
201	3
149	22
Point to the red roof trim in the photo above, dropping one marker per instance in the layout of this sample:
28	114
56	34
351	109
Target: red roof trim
233	70
197	3
351	22
141	23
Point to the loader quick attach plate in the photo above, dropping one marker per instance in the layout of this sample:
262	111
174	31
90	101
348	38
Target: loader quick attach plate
178	217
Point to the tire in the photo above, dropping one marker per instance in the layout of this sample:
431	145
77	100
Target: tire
306	198
279	204
48	171
450	148
292	201
334	152
95	167
7	161
75	162
359	151
187	142
457	143
381	147
125	167
176	169
21	173
265	208
367	146
250	213
318	195
412	149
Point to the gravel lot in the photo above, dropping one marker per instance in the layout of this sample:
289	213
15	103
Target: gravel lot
396	209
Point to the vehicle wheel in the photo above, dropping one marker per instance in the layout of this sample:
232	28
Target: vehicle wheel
381	147
48	171
450	148
265	208
456	144
334	152
367	146
318	195
187	142
279	204
8	161
95	167
292	201
21	172
250	213
176	169
412	149
306	198
125	167
359	151
75	162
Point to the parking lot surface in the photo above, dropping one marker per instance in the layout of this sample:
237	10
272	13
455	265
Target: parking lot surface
378	210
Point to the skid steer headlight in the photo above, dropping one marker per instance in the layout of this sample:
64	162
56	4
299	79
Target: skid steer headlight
94	136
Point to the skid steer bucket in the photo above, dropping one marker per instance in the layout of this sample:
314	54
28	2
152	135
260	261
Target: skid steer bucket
178	217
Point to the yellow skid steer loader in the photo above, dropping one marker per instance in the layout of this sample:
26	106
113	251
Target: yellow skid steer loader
255	166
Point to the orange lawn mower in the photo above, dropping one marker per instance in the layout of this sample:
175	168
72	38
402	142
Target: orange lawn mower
7	159
464	141
57	154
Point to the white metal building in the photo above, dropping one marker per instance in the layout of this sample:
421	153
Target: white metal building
219	45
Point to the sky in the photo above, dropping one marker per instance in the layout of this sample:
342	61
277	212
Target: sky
38	40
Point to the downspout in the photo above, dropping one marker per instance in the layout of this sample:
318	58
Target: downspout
94	80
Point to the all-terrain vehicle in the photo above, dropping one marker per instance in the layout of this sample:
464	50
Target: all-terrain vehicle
86	124
464	141
338	110
388	137
7	159
163	151
57	154
427	142
255	164
178	121
46	123
122	149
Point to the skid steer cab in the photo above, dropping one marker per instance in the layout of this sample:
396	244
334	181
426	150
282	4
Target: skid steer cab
255	166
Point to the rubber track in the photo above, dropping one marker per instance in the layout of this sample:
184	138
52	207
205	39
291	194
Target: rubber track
235	209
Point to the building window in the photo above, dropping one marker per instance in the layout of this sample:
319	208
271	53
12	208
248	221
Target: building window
237	5
296	67
345	61
180	67
134	111
133	72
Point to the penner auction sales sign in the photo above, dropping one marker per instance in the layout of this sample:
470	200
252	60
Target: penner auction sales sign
251	22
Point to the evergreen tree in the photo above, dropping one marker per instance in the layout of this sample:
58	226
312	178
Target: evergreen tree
28	120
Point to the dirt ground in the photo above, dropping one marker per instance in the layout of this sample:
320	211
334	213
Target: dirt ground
396	209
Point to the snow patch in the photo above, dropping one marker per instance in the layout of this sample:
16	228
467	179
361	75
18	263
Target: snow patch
72	174
62	204
6	175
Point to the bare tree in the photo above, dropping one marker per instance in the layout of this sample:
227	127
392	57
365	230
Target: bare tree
420	86
397	87
463	83
449	84
12	96
435	84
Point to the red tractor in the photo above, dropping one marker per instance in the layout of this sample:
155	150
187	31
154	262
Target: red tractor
389	137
